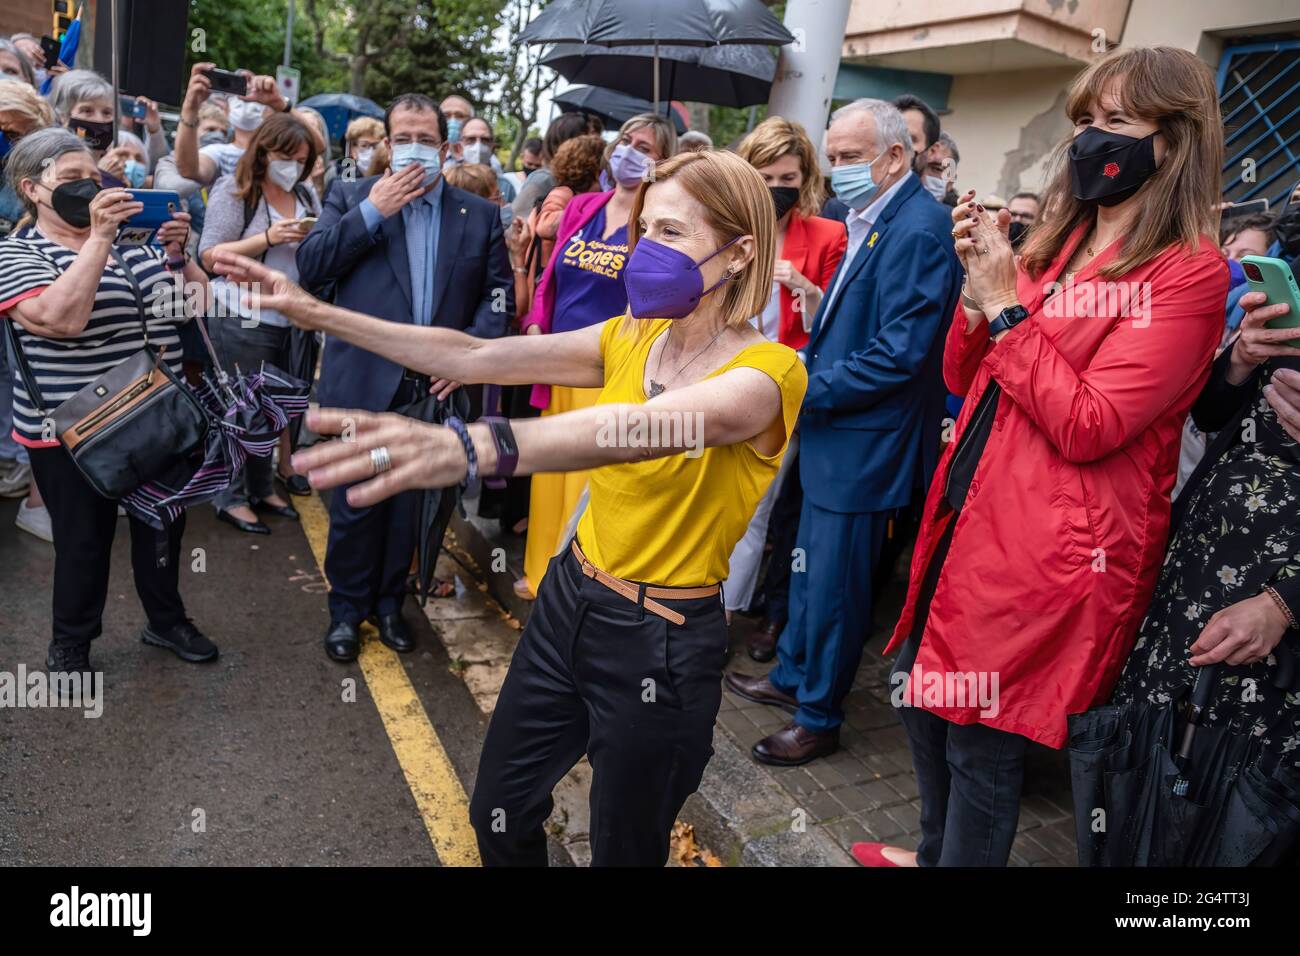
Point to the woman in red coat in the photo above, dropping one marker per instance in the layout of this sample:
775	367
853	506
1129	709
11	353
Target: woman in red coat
809	248
1046	522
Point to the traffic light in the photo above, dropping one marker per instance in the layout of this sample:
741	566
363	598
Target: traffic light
63	14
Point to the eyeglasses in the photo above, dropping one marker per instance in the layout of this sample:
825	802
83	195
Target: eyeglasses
1025	217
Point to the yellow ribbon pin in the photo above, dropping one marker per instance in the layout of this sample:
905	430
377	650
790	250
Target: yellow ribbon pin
872	241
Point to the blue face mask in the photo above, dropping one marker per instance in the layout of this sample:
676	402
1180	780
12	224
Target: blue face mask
135	173
5	144
453	130
427	156
853	184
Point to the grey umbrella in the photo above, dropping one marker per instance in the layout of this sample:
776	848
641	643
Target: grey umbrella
662	23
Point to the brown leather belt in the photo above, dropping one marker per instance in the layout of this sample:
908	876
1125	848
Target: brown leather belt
637	595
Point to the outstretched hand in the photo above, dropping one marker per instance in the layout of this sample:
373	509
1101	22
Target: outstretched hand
265	288
422	455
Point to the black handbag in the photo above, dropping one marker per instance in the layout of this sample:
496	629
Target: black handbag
132	423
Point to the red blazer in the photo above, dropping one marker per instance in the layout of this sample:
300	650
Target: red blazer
815	247
1054	557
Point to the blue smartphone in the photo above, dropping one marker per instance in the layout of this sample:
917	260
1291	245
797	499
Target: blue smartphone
1274	278
159	204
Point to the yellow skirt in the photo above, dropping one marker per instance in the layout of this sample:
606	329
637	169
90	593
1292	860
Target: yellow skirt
553	496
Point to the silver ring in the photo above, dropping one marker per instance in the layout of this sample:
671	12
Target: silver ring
380	460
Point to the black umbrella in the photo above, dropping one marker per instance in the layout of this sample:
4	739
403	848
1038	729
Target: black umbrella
1154	786
634	22
436	504
722	75
661	23
613	107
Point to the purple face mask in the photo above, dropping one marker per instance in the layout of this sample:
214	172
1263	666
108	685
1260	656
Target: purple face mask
663	283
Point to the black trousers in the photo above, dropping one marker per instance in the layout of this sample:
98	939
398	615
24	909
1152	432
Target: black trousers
969	776
84	524
595	673
784	531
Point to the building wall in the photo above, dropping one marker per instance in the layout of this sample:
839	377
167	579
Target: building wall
1006	125
26	16
1008	121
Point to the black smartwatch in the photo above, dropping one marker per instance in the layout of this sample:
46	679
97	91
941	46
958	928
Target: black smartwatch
503	437
1008	318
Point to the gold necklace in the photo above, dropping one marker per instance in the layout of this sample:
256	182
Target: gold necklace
658	389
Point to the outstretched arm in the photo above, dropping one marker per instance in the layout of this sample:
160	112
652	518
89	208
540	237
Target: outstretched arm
570	358
743	404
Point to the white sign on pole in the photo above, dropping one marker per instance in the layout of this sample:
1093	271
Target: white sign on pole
287	78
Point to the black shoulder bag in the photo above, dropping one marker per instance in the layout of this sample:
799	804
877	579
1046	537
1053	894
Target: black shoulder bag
129	425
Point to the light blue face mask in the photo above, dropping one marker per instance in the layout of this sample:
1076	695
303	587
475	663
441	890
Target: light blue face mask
135	173
453	130
405	154
853	184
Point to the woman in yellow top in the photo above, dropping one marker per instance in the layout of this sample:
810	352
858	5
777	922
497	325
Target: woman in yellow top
622	656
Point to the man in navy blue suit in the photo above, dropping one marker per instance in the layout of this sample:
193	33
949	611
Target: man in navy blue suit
870	424
405	247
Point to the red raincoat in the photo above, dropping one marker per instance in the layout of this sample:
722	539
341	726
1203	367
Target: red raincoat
1054	556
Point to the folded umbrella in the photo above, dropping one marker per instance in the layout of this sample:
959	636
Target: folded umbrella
1154	786
436	505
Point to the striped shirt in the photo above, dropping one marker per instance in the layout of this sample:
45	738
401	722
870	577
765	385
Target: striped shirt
29	263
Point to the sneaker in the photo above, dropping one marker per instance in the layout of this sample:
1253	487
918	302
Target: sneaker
68	658
184	640
35	521
14	481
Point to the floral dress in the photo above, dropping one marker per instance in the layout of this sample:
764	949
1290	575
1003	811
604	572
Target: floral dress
1240	532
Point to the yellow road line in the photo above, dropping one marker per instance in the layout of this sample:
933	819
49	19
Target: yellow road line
441	799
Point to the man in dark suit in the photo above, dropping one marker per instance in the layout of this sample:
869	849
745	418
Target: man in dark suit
870	424
405	247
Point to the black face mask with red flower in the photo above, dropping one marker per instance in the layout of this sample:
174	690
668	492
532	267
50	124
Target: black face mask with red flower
1107	168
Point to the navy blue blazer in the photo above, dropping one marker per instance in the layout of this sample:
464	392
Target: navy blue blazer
473	285
871	421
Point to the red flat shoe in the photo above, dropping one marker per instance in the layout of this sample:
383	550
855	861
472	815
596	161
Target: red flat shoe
870	854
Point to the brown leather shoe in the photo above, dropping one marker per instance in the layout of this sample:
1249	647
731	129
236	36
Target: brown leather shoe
796	745
762	643
759	690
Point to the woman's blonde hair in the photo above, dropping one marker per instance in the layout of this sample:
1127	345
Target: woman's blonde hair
661	128
776	137
1179	203
736	203
363	126
19	97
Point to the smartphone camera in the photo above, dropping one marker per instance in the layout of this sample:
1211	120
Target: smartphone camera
1252	272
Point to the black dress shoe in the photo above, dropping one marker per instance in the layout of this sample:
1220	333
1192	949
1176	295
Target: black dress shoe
759	690
284	511
795	745
762	642
394	632
294	484
184	640
248	527
343	641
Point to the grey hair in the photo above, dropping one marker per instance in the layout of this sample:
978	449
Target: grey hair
694	139
660	126
78	86
951	143
891	128
35	151
24	64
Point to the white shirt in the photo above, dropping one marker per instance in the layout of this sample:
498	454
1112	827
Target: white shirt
859	223
769	320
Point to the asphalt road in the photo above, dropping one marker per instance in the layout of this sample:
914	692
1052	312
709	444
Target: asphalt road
256	758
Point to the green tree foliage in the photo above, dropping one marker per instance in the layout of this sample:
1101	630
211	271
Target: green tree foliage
249	35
